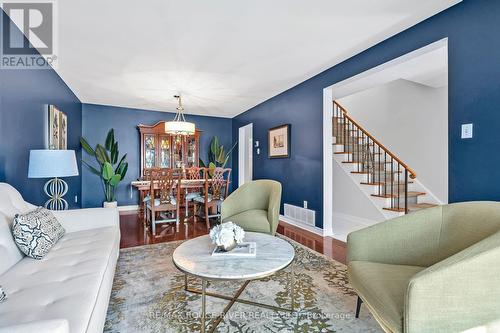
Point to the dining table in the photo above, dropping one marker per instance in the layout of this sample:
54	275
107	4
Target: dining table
144	186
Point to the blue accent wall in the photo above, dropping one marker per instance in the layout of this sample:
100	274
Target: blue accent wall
472	29
24	97
98	119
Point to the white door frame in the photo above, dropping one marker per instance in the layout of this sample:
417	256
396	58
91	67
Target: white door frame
245	151
339	90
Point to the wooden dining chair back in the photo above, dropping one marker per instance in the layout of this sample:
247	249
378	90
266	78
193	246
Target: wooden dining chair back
195	176
164	198
216	189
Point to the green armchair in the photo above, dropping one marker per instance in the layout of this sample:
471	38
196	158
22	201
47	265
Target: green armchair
435	270
254	206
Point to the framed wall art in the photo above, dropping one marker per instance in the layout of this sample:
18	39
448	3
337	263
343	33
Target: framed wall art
279	141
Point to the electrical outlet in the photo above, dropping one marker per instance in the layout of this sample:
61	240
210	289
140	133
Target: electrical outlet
76	198
305	204
467	131
256	144
258	151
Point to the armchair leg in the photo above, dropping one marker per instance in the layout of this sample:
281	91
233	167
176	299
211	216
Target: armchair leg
358	306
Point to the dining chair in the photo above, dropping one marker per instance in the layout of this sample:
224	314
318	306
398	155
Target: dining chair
215	191
146	195
193	190
164	197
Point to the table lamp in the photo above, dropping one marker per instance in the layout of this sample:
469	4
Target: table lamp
46	163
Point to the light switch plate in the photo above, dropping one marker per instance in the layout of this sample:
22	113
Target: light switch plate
467	131
305	204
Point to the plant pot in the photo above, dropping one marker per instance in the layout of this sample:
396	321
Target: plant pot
111	204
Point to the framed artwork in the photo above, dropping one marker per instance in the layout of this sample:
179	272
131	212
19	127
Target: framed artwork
63	131
279	141
57	129
53	127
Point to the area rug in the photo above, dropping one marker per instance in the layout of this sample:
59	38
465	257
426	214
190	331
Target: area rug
148	296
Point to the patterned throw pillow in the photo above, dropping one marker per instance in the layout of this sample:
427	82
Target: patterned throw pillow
35	232
3	296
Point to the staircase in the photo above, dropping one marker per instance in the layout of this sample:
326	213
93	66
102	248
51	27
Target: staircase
389	183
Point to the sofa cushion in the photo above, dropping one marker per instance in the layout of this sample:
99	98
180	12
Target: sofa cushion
251	220
36	232
9	252
383	287
11	203
64	284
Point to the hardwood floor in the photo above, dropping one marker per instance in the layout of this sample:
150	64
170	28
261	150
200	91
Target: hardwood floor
133	233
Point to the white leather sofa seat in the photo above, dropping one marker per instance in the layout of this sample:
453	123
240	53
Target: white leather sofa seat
64	284
68	290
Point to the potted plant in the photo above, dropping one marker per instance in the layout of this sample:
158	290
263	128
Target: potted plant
110	169
217	156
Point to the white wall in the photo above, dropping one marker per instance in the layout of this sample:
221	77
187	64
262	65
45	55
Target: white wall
352	210
411	120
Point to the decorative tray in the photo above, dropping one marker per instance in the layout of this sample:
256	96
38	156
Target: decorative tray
245	249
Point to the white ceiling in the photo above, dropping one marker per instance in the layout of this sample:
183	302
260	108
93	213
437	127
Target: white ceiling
427	66
223	56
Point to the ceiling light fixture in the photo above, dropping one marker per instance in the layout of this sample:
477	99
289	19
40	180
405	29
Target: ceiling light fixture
179	126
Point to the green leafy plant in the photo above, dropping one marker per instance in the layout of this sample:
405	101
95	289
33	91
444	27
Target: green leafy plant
217	155
111	170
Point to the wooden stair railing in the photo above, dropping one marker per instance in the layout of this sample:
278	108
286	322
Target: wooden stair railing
382	167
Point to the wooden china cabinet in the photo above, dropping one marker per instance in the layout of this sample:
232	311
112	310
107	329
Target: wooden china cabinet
162	150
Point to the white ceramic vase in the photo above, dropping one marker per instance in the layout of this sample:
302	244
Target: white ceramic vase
112	204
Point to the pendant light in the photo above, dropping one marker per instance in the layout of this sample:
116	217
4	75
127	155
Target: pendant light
179	126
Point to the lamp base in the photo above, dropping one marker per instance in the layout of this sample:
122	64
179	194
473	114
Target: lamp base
56	188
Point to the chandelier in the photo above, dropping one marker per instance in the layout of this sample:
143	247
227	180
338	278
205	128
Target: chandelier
179	126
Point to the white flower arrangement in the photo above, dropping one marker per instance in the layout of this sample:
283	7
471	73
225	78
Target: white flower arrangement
226	235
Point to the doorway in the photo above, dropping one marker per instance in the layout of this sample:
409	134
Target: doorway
245	154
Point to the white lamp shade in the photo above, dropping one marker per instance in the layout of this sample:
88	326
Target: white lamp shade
179	127
46	163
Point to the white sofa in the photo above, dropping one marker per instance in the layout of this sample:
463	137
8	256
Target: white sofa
69	289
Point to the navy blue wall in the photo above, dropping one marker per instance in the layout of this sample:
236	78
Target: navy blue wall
98	119
472	28
24	98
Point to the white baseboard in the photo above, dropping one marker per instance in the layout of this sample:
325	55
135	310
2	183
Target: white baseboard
128	208
313	229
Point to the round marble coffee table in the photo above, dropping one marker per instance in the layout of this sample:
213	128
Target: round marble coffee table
194	257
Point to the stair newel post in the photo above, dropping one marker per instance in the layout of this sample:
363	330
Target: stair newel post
406	191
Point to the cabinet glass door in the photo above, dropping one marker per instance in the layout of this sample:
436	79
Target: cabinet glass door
149	151
164	152
191	151
177	151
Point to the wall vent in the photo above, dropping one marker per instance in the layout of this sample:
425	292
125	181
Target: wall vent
299	214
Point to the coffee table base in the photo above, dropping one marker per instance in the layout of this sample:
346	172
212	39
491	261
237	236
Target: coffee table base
233	299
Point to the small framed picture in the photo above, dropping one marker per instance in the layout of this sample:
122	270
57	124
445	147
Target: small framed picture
279	141
53	130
